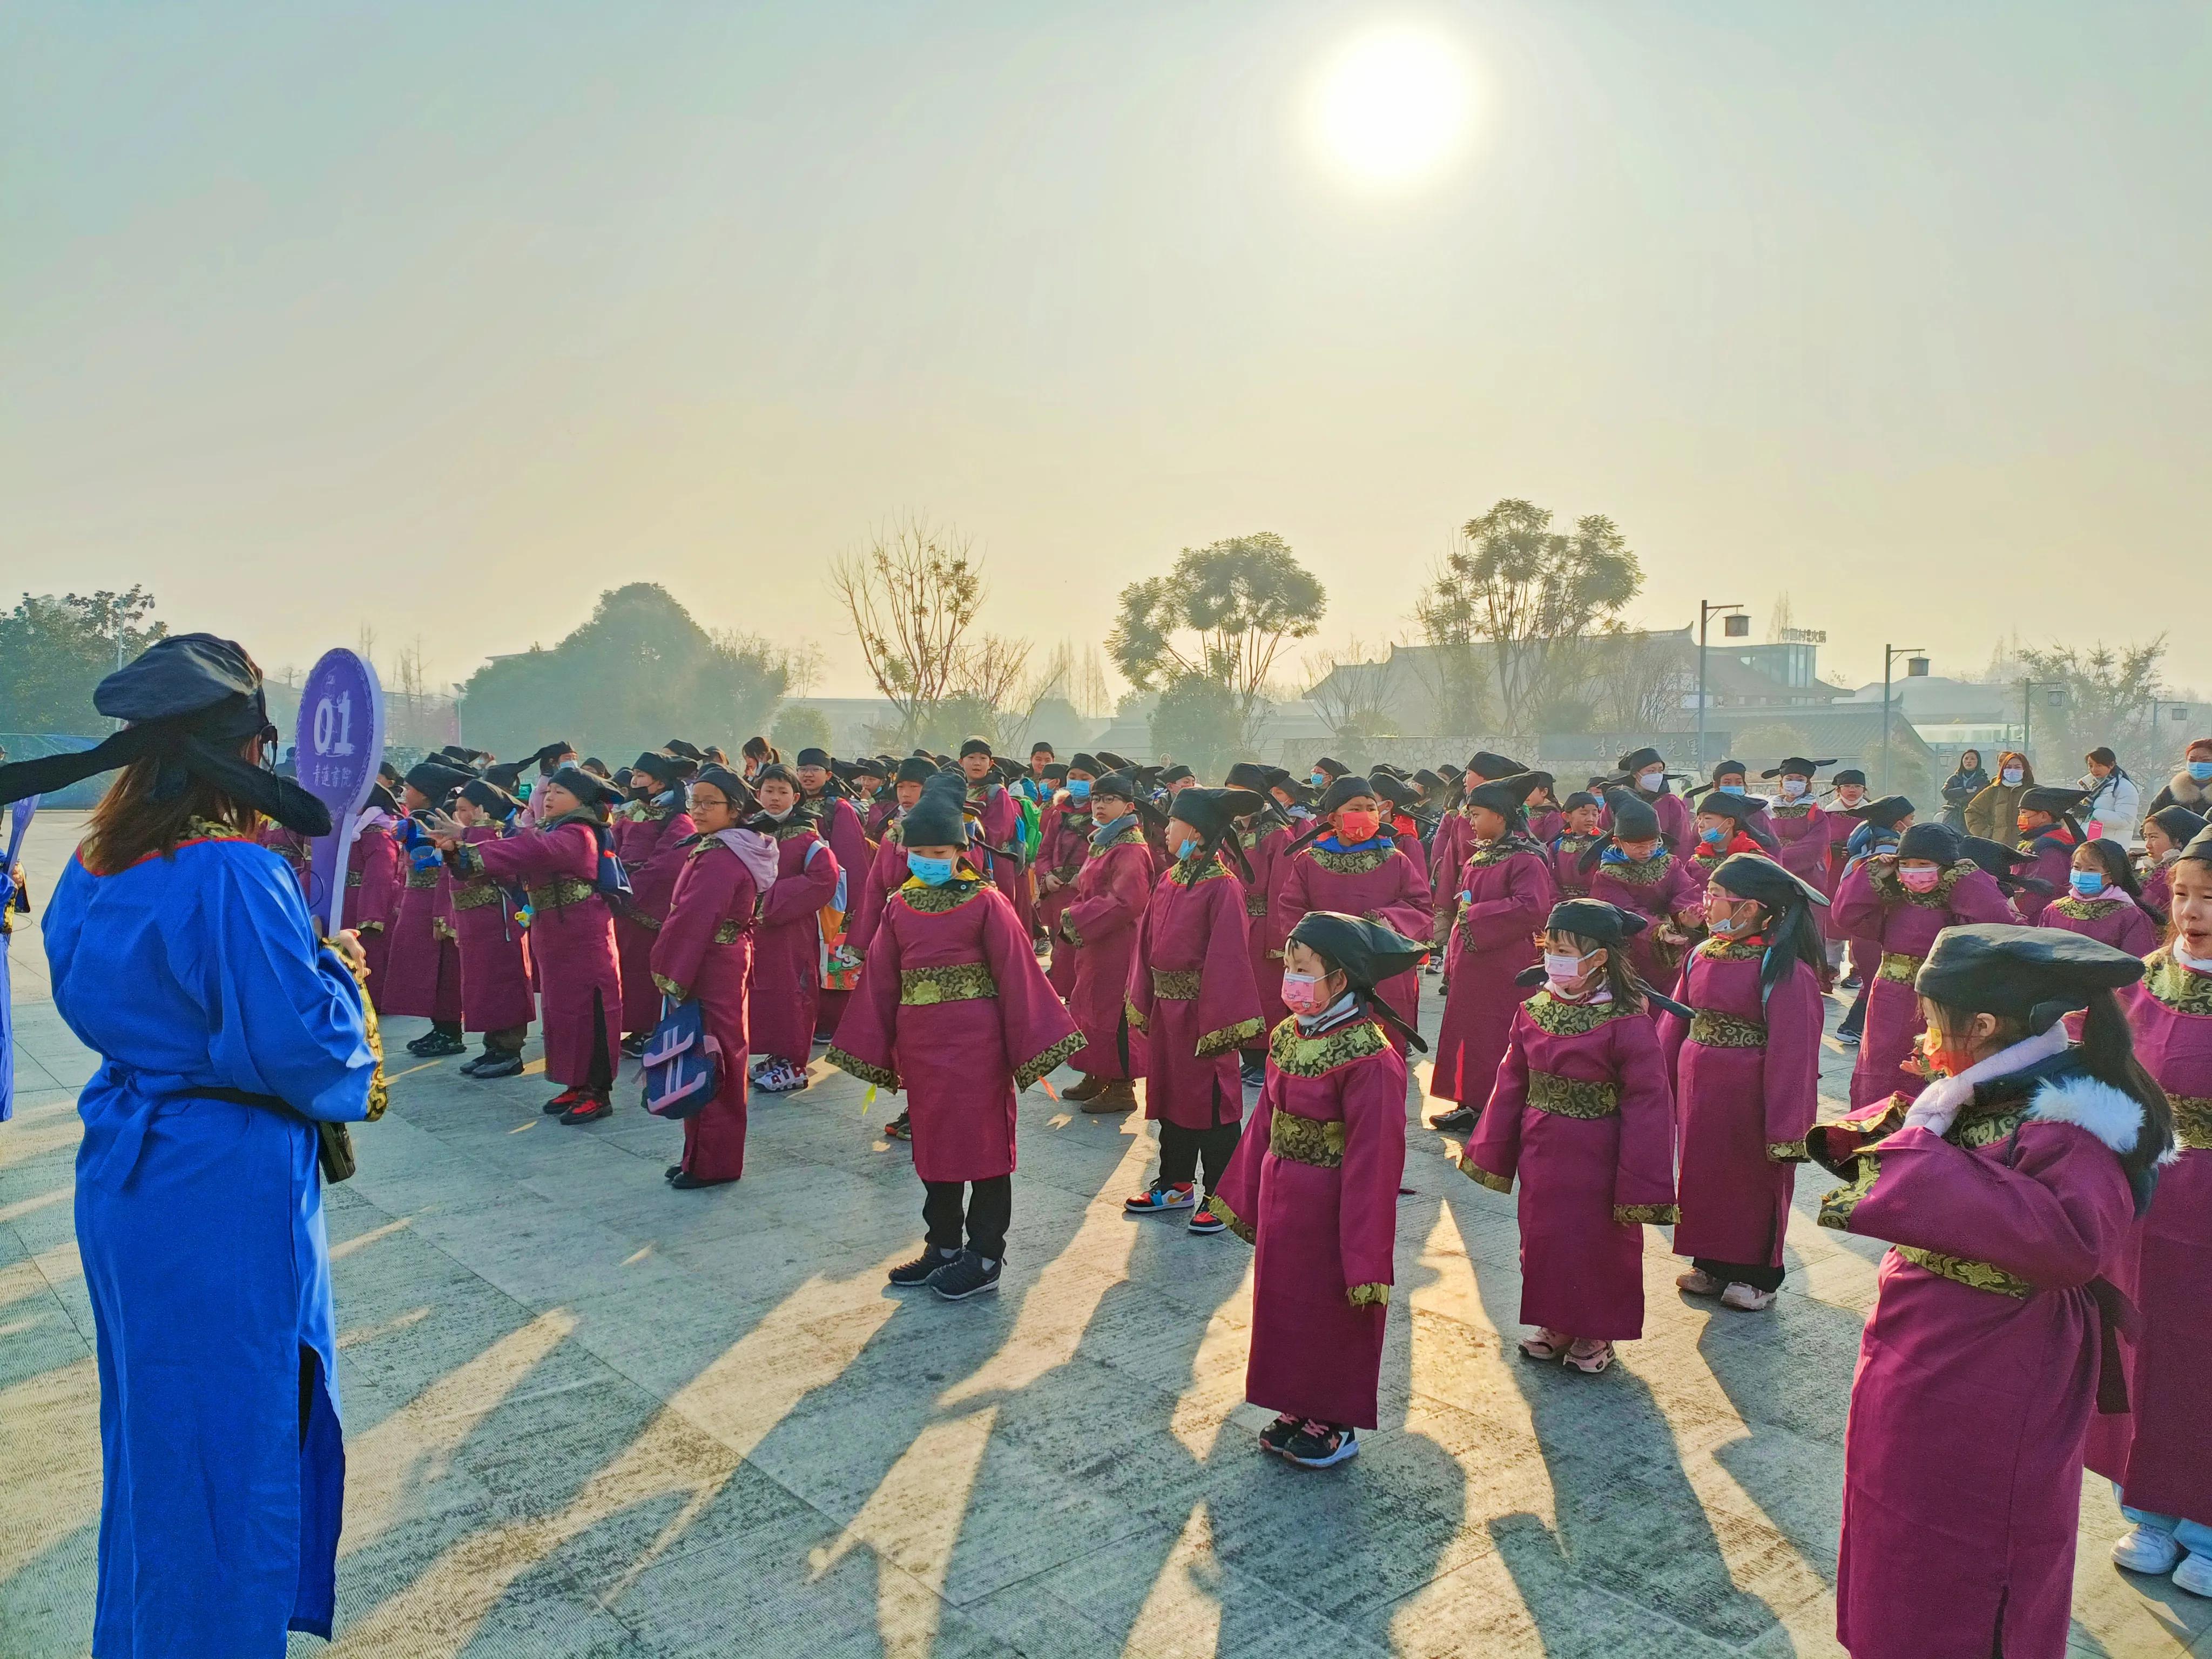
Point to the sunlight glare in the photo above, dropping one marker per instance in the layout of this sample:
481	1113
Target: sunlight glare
1393	105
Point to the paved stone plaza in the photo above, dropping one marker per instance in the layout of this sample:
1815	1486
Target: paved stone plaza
589	1416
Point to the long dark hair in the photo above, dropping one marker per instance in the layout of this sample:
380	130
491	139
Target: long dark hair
2107	1053
131	823
1621	978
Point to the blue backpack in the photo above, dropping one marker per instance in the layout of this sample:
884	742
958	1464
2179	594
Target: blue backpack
683	1062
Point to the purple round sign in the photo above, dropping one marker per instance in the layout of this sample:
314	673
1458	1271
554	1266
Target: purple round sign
338	749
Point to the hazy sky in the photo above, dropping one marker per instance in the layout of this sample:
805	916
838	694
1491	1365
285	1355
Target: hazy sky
447	317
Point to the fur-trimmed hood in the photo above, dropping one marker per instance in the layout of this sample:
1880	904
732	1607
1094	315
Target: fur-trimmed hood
2114	1118
2187	792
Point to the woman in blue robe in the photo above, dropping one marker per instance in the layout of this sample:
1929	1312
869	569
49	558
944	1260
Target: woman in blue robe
183	954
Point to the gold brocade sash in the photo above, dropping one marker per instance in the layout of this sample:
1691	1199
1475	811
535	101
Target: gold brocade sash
1900	965
1710	1029
474	895
2193	1122
1572	1097
1175	984
1307	1139
560	890
728	932
957	981
1976	1275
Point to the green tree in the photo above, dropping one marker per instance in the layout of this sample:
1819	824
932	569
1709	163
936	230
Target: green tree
639	672
2106	701
1222	616
1195	721
798	727
54	650
1535	595
911	596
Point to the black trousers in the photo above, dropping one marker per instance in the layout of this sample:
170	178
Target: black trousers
1181	1149
450	1028
990	1211
1760	1278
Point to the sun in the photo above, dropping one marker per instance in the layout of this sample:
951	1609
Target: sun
1393	105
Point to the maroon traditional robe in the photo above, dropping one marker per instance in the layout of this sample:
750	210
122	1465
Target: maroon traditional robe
954	1010
1565	857
1747	1082
2118	921
1678	825
2159	1450
1190	993
787	945
878	815
1509	891
1978	1369
886	873
1803	829
1314	1187
1263	851
651	847
572	939
1378	882
423	976
1658	889
1582	1116
2158	894
1546	824
703	952
998	817
372	902
496	993
1064	841
1101	922
1448	851
1839	828
1872	904
2054	859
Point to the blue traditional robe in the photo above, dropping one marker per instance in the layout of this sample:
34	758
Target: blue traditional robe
200	1222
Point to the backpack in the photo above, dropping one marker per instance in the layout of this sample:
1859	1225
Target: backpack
610	878
683	1062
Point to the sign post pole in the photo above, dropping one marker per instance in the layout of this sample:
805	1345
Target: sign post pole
338	747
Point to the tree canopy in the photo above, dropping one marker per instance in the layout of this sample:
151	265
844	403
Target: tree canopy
1223	617
54	650
639	671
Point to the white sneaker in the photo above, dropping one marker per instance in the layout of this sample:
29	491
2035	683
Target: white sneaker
1744	1299
2146	1549
2195	1574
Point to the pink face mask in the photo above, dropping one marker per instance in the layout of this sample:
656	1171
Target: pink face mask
1302	992
1921	879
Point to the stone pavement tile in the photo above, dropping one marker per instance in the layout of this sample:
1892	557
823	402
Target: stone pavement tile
47	1603
539	1613
1520	1601
1038	1625
36	1336
2122	1613
1167	1593
542	1441
1790	1367
732	1501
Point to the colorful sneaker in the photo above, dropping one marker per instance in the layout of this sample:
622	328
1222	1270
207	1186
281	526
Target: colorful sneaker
588	1109
779	1076
913	1275
967	1274
1321	1445
1279	1434
434	1045
1158	1199
1203	1219
898	1128
561	1101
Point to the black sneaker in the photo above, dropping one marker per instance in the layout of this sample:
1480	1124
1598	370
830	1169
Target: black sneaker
437	1044
590	1110
671	1172
1253	1069
1321	1446
1279	1434
1849	982
964	1276
898	1128
495	1065
1459	1120
561	1101
634	1044
911	1275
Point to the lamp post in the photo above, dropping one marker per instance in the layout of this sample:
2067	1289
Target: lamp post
1916	668
1734	624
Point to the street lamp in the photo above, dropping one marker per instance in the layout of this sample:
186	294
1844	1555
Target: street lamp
1735	624
1916	668
2054	693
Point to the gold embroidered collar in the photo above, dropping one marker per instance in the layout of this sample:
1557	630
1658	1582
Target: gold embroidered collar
2173	985
1558	1018
1303	1056
919	896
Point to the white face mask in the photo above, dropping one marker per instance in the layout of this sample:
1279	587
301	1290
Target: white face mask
1562	970
1648	782
1792	787
2012	774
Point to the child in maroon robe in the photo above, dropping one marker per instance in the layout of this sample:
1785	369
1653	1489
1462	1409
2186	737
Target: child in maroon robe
1578	834
374	887
1643	776
1356	868
1583	1117
2007	1189
1900	901
2049	834
2164	833
649	839
496	999
787	945
997	815
1191	994
1634	869
2103	900
1063	843
1800	827
955	1010
1504	891
837	821
703	952
1745	1069
423	977
1101	921
1847	793
572	931
2159	1454
1314	1189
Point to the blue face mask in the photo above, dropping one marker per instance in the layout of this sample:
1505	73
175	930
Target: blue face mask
1713	837
1731	789
2201	771
1613	855
2088	883
934	873
1079	789
1319	779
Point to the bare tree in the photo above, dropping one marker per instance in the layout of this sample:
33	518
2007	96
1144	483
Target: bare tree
1351	691
911	596
1638	680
